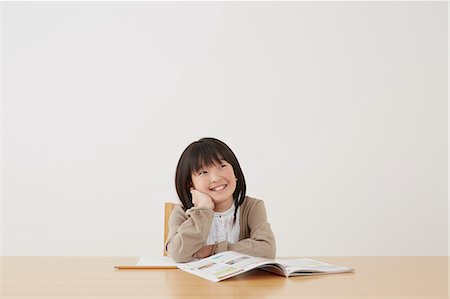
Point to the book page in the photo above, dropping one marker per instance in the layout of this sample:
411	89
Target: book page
223	265
305	266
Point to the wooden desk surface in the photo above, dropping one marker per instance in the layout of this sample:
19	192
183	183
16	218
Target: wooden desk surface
94	277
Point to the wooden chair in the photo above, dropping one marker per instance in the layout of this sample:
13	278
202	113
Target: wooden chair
168	207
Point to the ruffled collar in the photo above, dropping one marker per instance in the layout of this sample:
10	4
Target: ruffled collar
225	214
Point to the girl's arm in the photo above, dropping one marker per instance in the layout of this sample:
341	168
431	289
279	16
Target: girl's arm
261	241
188	232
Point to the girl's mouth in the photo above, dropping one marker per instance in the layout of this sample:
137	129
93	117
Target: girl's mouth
218	188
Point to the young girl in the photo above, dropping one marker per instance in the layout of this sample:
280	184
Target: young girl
215	215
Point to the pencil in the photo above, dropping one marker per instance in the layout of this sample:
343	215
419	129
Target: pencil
144	267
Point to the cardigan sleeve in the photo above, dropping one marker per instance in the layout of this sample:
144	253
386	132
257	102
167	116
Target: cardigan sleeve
188	232
261	241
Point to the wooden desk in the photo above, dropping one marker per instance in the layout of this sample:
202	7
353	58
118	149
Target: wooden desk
94	277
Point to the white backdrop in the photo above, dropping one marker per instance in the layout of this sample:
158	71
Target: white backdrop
336	111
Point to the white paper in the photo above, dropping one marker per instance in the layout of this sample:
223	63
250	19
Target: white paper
156	261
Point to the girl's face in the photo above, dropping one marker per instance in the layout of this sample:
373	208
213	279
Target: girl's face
218	181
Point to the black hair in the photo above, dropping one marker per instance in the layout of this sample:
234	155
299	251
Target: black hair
206	152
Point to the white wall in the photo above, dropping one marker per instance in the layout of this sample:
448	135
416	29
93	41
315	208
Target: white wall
336	111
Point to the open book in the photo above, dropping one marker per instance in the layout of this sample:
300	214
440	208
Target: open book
229	263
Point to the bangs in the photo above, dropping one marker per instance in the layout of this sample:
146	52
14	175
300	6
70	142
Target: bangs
205	155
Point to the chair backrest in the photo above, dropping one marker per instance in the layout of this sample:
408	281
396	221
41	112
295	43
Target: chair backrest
168	207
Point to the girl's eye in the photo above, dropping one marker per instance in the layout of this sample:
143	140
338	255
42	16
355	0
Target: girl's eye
201	172
223	165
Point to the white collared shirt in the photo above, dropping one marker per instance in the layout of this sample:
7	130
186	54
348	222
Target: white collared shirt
222	227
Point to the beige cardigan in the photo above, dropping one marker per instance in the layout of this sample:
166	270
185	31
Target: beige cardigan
189	230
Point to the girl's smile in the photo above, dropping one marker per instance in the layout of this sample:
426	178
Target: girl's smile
218	188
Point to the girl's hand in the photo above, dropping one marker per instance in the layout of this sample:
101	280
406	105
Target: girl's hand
201	200
205	251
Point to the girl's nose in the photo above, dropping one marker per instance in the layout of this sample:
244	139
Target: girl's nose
214	177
